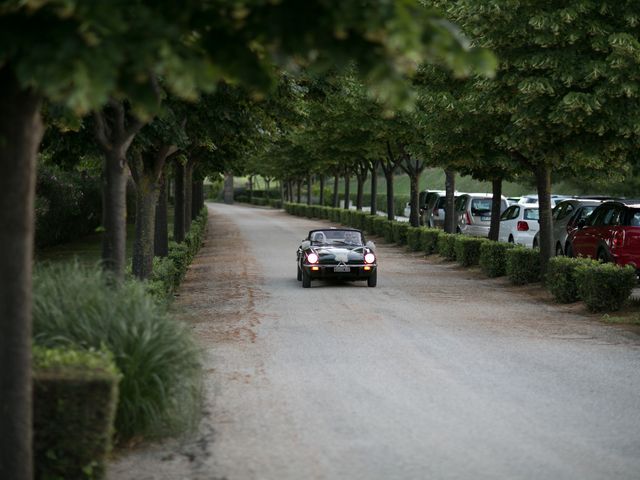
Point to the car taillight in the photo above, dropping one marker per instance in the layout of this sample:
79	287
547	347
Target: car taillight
312	258
522	226
468	218
618	239
369	258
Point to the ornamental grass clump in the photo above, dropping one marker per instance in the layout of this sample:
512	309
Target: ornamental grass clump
523	265
160	389
604	286
468	250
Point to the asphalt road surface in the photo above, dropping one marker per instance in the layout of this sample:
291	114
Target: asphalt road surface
438	373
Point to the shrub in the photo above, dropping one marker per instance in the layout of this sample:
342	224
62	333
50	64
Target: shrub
493	258
429	239
400	232
369	224
380	225
74	404
68	205
446	245
414	239
468	250
523	265
560	278
344	217
157	356
604	286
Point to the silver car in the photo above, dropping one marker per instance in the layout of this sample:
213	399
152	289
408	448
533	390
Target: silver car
565	217
432	215
473	212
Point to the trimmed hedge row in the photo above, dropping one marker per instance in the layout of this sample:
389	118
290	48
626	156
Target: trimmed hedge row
259	201
600	286
169	271
75	394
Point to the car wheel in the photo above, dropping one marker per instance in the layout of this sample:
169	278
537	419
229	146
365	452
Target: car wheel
559	251
372	281
602	256
511	239
568	250
306	279
299	273
535	243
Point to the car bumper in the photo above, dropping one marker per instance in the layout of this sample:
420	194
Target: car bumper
356	272
525	238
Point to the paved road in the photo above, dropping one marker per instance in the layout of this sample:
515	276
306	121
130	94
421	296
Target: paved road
438	373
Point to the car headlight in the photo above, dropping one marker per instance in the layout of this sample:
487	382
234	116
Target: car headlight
369	258
312	258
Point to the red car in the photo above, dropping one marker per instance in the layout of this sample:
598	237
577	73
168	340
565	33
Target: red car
611	234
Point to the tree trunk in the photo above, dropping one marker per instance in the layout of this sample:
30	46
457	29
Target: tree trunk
309	181
414	217
161	240
321	190
143	245
228	188
114	213
347	193
360	194
374	191
336	194
298	191
391	214
178	204
21	131
188	194
496	206
450	223
198	198
543	183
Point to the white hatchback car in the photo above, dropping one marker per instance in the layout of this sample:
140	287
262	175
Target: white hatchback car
519	224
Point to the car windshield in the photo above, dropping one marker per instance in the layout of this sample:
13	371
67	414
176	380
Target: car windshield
336	237
531	214
481	206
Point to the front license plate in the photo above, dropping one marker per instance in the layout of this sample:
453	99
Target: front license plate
341	269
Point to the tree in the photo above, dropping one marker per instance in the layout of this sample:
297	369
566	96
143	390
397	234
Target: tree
562	84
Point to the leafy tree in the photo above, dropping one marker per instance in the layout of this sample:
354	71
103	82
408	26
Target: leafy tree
563	84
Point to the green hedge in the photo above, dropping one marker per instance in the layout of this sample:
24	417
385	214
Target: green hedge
169	271
446	245
414	239
75	395
468	250
560	279
400	232
523	265
493	258
429	239
604	286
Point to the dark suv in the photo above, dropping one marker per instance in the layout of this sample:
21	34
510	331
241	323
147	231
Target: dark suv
611	234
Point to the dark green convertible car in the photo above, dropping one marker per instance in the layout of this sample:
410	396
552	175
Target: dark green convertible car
337	253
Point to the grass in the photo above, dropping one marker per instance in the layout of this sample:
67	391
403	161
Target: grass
619	320
160	391
88	250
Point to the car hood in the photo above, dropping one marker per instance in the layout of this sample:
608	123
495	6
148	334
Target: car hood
340	254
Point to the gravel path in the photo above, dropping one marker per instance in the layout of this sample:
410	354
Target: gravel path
437	373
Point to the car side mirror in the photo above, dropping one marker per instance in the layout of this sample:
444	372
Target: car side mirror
305	244
371	245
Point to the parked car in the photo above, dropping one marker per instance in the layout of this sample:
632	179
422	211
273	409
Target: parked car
533	198
565	217
611	234
433	214
519	224
336	253
513	200
473	211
